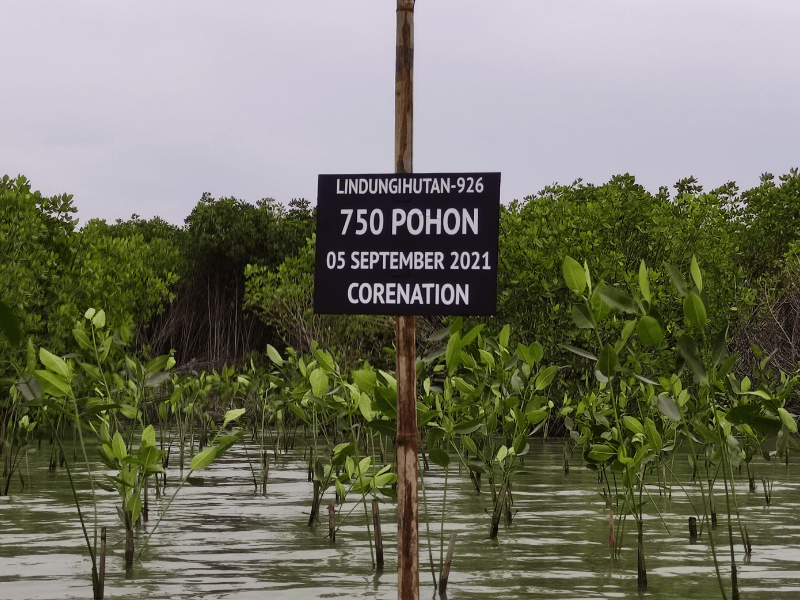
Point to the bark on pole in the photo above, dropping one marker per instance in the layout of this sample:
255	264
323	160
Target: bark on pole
406	441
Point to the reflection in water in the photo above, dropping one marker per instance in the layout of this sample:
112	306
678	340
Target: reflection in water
224	541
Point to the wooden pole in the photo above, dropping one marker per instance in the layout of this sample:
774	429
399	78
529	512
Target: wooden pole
446	572
332	521
102	579
376	526
406	441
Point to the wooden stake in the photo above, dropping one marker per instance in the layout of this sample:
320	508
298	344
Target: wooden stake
446	572
642	568
406	441
314	504
332	521
102	578
376	525
692	529
266	475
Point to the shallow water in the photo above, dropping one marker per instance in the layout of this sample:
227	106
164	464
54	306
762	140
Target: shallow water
225	541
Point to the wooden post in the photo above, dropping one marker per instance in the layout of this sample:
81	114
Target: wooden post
332	521
692	529
376	526
102	578
314	504
446	571
406	441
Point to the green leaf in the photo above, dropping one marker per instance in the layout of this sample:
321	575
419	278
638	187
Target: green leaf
453	353
602	453
653	437
340	490
687	350
52	383
99	319
649	331
677	279
203	458
232	415
149	436
505	334
365	407
118	446
387	428
324	360
744	414
150	459
134	507
579	352
439	457
365	380
668	407
574	275
473	333
537	351
467	427
386	401
319	382
545	377
695	311
469	444
54	363
9	324
582	317
607	362
439	334
535	415
632	424
617	298
274	356
696	276
787	419
644	282
501	454
486	358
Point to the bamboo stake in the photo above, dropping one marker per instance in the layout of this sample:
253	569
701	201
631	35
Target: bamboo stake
266	475
446	572
376	525
102	578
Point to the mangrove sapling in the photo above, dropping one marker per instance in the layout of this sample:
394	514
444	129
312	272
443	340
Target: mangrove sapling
133	471
217	447
16	441
55	396
627	436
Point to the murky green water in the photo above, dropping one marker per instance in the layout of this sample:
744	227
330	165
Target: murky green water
225	541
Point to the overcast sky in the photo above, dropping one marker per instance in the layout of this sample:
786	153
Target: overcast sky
140	107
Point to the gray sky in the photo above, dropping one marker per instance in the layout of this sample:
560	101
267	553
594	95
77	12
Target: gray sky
142	106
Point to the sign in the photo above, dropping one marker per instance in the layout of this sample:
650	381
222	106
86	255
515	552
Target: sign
415	244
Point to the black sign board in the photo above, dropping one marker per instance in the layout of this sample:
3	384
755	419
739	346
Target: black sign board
418	244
